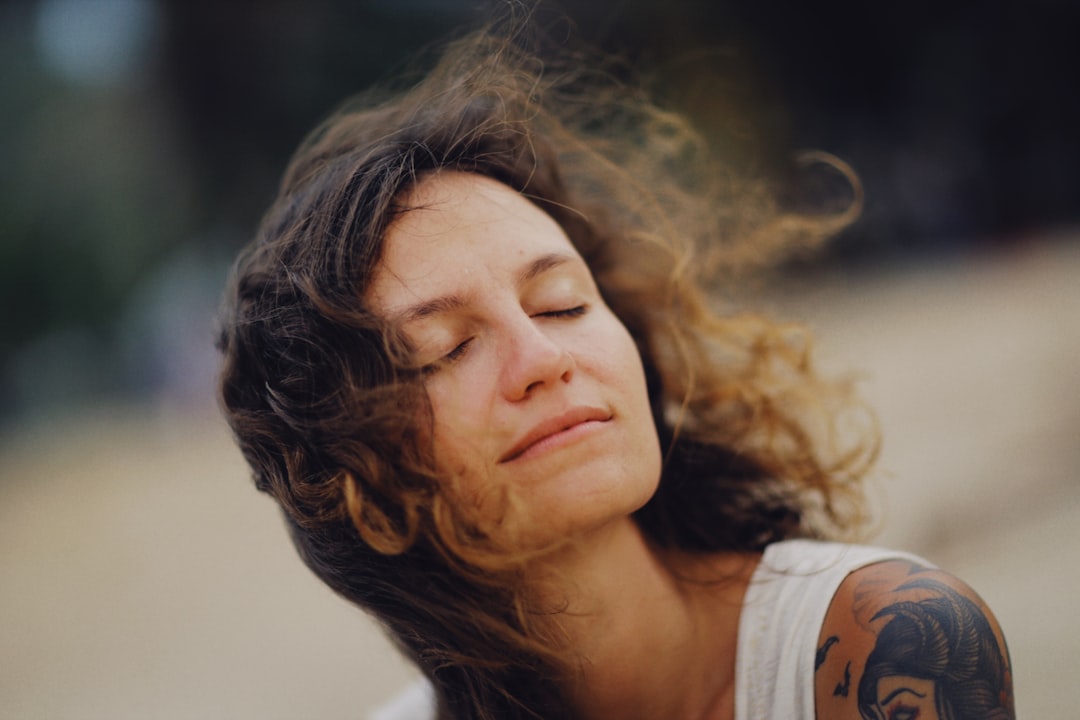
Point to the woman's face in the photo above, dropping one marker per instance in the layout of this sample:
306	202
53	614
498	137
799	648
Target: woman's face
535	385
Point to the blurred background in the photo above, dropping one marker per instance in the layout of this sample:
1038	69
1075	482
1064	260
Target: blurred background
141	576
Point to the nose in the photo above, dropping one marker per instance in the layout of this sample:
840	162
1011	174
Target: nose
533	359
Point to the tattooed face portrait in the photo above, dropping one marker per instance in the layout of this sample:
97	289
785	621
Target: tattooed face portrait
935	659
906	698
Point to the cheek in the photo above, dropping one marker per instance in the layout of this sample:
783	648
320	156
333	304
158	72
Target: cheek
462	431
457	460
452	422
619	360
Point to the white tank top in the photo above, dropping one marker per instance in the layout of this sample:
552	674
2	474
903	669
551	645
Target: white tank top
781	619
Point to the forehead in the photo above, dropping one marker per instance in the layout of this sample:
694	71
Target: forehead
458	226
459	207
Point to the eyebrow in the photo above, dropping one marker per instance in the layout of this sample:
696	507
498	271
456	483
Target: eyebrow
542	264
454	301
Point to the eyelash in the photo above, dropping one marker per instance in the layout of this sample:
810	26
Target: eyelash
903	712
454	355
569	312
456	352
447	359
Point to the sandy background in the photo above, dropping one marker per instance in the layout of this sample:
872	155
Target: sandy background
141	576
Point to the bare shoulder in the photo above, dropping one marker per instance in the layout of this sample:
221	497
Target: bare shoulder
904	642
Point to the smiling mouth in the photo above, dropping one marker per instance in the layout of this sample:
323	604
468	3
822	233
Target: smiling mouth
565	426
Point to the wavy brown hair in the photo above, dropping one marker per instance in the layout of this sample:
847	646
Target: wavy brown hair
331	418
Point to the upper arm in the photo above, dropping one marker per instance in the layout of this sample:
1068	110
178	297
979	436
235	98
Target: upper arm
904	642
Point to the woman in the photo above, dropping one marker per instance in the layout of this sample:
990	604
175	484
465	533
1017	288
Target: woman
470	355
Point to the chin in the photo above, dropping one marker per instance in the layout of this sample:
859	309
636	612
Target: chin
574	504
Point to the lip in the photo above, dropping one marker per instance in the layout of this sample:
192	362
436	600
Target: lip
554	426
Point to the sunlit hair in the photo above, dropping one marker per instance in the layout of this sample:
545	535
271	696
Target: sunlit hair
334	421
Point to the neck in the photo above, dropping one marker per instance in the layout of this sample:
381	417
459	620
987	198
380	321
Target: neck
656	630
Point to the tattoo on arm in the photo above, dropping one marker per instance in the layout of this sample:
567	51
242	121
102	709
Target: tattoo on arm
843	688
937	657
819	660
823	651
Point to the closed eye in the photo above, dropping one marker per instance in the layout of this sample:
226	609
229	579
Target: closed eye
904	712
447	359
568	312
459	351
